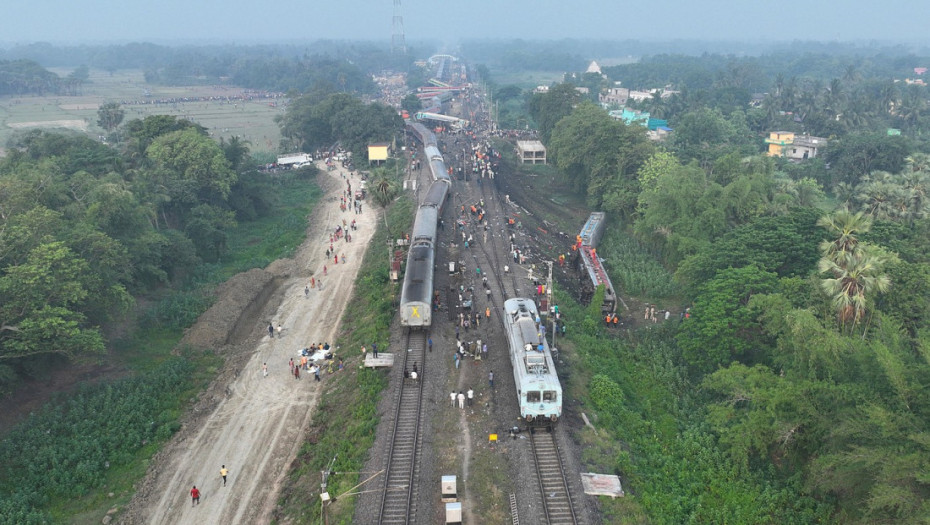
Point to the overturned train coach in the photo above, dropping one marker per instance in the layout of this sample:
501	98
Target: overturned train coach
538	388
417	291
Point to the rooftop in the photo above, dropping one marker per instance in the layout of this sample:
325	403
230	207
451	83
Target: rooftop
530	145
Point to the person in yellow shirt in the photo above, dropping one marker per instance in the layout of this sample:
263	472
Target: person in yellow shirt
223	473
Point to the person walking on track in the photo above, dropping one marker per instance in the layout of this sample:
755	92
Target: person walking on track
223	473
195	496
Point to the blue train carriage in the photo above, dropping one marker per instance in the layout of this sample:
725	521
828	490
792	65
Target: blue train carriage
432	153
417	293
538	387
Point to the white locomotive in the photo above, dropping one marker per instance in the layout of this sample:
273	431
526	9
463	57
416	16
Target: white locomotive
538	387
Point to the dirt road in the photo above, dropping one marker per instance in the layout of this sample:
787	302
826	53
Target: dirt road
257	428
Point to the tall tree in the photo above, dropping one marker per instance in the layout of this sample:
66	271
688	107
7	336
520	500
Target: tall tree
856	272
110	116
548	108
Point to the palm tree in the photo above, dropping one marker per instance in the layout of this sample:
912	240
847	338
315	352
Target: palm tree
845	225
844	192
856	277
656	105
918	162
384	191
882	196
916	185
912	109
889	98
851	74
779	84
856	272
834	96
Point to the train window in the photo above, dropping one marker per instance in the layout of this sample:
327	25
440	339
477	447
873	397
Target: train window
532	397
549	395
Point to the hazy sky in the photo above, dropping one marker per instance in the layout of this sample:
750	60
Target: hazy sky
240	21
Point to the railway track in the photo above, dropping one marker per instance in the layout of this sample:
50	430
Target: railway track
557	501
401	477
553	484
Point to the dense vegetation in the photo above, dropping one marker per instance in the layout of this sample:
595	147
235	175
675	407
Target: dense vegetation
318	120
86	227
66	449
793	390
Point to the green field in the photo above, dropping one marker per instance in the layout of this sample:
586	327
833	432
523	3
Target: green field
251	120
525	79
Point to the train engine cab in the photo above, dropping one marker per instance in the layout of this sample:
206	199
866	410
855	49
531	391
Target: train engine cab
540	400
538	388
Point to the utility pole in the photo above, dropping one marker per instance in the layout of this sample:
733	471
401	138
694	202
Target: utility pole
324	496
553	309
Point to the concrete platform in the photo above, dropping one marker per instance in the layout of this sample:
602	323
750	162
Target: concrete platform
601	485
383	360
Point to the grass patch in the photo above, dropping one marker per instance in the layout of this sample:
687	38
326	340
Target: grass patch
632	267
525	79
490	485
346	419
250	120
256	244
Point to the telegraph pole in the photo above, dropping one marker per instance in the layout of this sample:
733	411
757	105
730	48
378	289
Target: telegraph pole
324	495
553	309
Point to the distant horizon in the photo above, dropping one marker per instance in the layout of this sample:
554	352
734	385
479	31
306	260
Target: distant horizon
682	46
234	21
864	43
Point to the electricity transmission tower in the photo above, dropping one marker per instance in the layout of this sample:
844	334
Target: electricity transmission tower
398	45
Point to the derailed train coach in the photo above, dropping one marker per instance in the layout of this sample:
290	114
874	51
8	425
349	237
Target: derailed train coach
538	389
